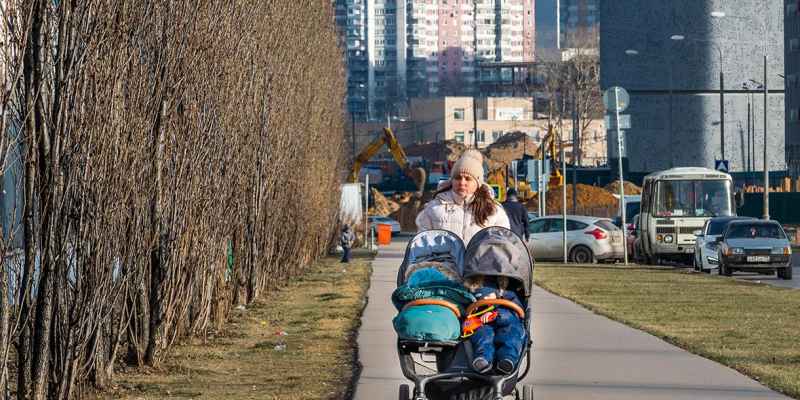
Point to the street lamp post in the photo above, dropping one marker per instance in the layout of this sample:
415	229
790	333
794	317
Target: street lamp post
669	122
719	14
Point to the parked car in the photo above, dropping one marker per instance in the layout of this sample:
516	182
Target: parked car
632	206
632	245
375	220
589	239
754	246
705	246
532	215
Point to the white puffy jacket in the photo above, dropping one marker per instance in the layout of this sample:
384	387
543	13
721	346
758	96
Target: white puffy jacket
452	212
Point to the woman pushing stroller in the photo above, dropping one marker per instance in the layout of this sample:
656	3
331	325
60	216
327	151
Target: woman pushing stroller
464	205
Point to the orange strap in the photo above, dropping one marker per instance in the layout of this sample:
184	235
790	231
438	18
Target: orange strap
496	302
434	302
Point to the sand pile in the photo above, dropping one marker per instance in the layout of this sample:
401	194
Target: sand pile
383	206
592	201
630	188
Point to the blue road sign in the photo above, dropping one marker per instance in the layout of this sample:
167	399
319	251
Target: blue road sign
497	191
722	166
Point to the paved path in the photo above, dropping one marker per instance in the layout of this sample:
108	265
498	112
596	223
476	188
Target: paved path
576	354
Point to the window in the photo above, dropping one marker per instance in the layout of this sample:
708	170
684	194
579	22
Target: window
575	225
496	135
481	136
538	225
458	115
459	136
555	225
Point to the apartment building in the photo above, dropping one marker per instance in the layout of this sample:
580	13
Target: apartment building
401	49
576	16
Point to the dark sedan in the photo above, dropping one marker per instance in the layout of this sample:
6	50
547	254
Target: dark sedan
754	246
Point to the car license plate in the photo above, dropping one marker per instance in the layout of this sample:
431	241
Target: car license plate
757	258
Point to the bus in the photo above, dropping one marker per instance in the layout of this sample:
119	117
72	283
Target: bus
677	202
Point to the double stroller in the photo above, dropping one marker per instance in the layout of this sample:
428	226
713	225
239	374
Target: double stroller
442	369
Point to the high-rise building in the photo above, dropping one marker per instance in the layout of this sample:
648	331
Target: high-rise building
669	57
398	49
792	73
577	16
547	34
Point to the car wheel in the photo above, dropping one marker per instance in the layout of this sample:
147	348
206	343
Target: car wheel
655	260
582	255
725	270
694	264
787	272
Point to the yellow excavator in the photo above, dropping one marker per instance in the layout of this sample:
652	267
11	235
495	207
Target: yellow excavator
416	174
556	179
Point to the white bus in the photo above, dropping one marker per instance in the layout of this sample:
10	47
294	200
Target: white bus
677	202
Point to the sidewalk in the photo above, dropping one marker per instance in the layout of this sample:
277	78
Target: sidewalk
576	354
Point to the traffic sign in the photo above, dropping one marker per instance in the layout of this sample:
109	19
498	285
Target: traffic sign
622	96
722	166
624	121
613	148
497	191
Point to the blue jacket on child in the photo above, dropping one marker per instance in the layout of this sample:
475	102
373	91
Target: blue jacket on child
503	338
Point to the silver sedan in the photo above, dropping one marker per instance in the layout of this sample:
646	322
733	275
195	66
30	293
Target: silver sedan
705	246
589	239
754	246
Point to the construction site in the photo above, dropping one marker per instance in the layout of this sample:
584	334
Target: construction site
410	180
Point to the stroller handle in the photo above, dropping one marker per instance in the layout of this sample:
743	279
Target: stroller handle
435	302
496	302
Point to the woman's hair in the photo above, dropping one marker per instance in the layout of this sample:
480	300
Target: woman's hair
482	205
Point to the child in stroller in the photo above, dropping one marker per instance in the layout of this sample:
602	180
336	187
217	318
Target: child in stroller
503	331
445	369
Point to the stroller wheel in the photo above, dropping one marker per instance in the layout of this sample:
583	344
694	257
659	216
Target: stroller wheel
527	392
404	392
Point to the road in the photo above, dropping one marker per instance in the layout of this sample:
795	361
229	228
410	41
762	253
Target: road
576	354
773	279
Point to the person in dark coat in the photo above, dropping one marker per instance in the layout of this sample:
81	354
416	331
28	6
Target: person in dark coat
517	215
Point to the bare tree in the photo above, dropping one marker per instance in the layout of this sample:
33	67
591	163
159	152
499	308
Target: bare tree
143	142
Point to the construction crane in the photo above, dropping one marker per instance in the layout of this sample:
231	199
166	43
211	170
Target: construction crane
416	174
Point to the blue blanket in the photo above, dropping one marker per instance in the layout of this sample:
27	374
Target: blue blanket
430	322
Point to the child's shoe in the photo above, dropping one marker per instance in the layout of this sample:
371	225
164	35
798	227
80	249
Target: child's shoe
505	366
481	365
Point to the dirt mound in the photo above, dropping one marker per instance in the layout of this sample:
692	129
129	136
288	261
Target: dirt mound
383	206
592	201
510	147
409	205
630	188
442	150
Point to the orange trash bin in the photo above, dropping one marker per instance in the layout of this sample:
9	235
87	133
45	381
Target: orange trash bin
384	233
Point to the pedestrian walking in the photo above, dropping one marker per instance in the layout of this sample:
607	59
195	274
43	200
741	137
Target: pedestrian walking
464	205
346	240
517	215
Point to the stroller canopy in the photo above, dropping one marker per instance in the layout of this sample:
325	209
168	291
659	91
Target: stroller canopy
500	252
434	245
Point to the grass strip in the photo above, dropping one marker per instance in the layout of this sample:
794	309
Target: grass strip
750	327
320	309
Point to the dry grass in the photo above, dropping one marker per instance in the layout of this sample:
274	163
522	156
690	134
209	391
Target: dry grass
750	327
320	309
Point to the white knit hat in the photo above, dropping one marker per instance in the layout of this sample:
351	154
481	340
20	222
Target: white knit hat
471	162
